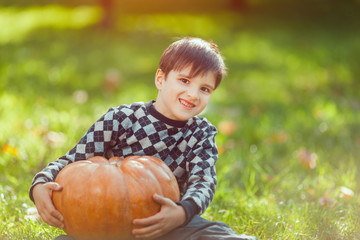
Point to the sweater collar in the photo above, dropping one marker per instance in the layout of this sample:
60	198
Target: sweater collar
175	123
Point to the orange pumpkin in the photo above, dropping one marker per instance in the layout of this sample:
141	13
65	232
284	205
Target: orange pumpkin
101	198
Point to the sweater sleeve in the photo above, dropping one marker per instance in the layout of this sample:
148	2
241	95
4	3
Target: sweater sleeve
200	167
96	141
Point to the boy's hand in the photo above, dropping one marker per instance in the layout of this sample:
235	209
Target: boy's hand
169	217
42	194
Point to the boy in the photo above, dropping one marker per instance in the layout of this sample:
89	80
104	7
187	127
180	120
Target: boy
189	71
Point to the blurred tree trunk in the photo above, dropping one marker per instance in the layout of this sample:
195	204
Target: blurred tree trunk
108	17
238	5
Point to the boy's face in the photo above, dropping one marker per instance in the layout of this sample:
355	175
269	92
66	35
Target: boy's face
181	97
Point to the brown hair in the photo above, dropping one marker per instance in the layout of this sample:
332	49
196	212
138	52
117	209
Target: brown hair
201	55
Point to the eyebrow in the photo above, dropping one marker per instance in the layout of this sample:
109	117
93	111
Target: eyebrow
210	86
183	75
187	76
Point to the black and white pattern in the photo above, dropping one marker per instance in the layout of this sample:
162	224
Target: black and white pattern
187	147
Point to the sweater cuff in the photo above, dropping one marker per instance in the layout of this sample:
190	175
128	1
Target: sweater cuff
191	209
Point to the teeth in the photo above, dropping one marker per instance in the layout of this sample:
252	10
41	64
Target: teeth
186	104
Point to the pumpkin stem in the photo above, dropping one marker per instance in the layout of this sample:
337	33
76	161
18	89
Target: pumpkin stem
116	161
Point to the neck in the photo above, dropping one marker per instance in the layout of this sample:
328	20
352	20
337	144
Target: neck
153	111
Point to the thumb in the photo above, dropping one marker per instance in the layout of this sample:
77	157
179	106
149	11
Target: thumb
53	186
161	199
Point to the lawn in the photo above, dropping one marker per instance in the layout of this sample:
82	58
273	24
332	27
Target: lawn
287	113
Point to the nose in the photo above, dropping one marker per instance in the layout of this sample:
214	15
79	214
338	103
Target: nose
192	94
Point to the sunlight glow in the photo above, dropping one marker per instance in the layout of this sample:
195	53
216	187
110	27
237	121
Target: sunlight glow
16	23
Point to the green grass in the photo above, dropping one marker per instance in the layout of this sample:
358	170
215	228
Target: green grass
292	85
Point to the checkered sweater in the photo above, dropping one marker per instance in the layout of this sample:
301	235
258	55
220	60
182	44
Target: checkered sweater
187	147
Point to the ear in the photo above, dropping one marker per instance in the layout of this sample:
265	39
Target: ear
159	78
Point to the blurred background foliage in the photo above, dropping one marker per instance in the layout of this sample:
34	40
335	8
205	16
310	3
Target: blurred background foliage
288	109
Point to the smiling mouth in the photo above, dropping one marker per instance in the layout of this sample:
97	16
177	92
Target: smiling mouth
186	104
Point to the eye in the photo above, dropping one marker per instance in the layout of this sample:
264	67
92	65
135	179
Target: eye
184	80
206	90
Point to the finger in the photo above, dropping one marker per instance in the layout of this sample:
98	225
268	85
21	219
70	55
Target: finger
146	221
56	214
55	222
151	235
53	213
49	219
54	186
162	200
146	230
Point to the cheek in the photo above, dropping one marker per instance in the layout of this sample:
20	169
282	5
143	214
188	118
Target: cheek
204	102
206	98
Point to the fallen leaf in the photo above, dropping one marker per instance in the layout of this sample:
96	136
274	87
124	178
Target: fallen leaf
10	149
279	137
227	127
307	158
112	80
326	200
346	193
221	149
310	191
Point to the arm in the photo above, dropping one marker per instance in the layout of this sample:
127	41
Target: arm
201	173
96	141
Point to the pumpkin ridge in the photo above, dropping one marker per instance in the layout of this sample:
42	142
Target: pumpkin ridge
112	168
120	200
141	195
106	192
76	169
94	182
162	174
91	168
64	181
